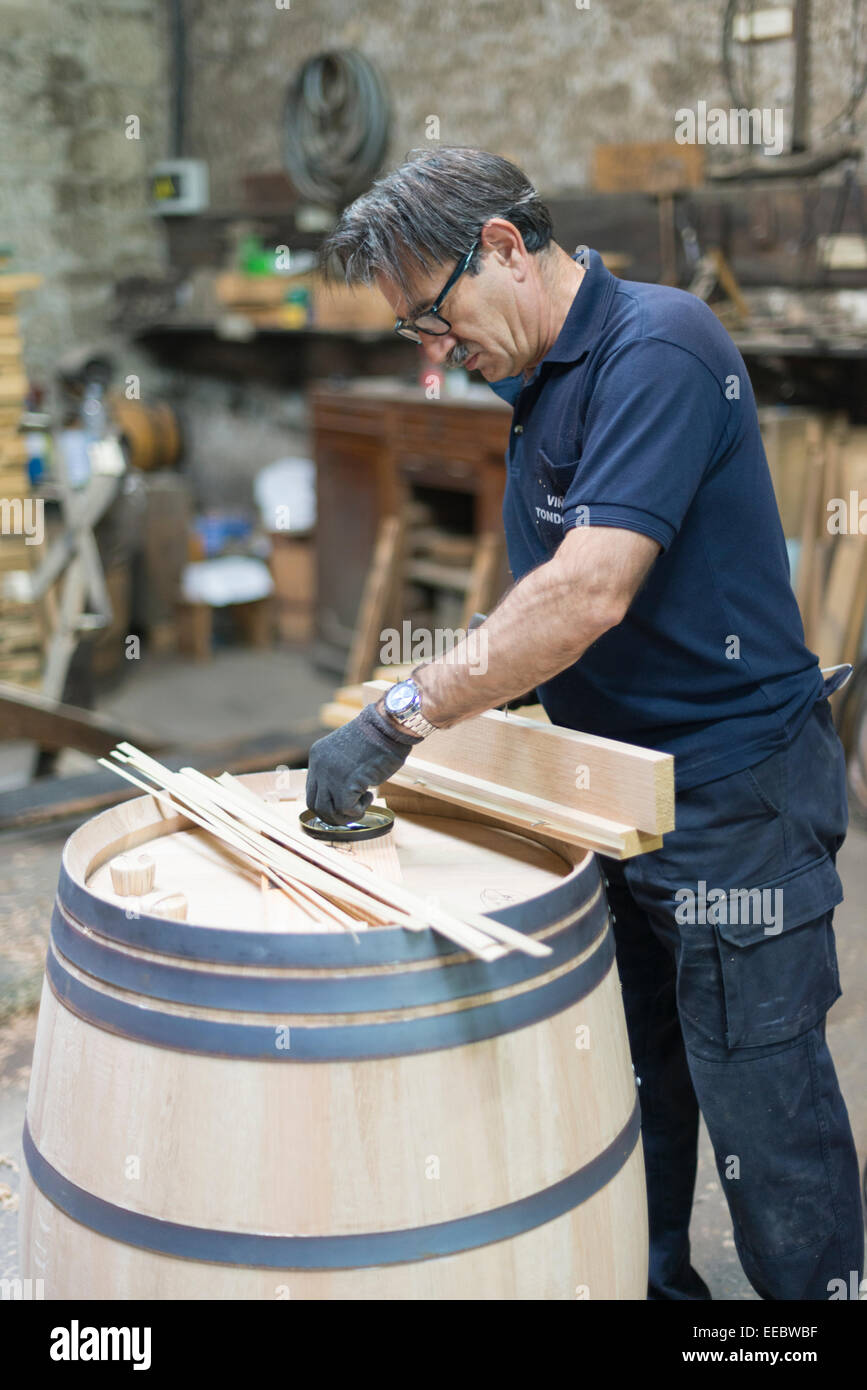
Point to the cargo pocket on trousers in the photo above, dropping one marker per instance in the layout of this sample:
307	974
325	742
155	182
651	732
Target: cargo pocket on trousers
778	956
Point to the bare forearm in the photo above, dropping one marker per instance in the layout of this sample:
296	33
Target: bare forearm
542	626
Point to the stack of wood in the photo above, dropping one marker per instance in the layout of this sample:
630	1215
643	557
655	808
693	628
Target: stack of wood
819	468
265	301
21	624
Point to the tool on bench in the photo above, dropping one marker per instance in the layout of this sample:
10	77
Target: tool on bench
377	821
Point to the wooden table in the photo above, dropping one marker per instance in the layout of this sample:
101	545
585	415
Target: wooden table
374	443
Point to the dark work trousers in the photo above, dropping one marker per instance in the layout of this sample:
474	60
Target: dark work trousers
725	995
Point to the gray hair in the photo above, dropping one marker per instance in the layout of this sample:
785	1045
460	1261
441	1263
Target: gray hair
428	212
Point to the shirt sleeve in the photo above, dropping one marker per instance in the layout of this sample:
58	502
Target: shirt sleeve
649	434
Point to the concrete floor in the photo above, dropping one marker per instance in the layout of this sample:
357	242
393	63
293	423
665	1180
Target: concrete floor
243	693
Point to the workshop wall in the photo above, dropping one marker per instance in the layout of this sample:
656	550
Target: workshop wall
594	88
73	188
73	192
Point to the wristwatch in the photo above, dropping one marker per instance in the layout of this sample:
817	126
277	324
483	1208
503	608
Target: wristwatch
403	703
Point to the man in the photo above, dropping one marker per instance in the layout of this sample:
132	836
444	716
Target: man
652	603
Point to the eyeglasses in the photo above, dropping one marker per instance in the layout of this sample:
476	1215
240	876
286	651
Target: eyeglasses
432	321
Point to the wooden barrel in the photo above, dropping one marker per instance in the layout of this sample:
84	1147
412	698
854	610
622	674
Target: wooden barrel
230	1107
150	432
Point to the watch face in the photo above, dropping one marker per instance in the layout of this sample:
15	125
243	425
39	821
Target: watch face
401	697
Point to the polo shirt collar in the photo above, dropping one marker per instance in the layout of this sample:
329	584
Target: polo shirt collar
586	314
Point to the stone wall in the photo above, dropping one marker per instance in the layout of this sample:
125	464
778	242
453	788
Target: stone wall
542	82
73	187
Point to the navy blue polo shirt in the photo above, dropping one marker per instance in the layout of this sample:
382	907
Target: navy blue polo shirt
642	416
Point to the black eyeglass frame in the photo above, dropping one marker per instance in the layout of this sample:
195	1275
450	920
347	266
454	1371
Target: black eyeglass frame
405	328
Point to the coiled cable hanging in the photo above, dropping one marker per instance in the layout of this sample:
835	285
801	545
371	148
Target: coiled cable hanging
335	127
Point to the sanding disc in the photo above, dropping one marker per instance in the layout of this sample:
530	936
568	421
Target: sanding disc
377	821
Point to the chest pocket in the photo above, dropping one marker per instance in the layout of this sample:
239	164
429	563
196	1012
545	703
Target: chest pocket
550	484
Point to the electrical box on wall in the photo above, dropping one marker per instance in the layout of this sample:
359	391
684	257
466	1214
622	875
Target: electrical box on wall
771	22
179	187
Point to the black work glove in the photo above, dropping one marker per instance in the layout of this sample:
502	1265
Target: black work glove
361	754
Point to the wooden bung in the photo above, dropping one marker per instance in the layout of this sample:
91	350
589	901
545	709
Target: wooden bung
132	874
173	905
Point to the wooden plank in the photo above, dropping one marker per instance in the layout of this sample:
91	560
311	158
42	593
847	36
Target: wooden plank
60	798
17	636
26	714
808	581
13	388
25	669
13	449
437	576
445	547
15	557
349	700
647	166
481	594
580	773
838	635
523	811
378	586
785	439
15	284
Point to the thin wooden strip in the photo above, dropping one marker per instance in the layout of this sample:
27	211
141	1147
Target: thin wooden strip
462	932
174	804
279	878
13	283
533	811
468	938
263	849
459	932
401	897
603	837
207	788
374	600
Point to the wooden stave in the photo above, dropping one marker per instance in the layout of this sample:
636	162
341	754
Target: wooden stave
402	993
321	1279
192	1160
143	819
540	1265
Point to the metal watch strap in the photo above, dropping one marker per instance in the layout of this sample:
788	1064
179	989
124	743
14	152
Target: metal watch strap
417	724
